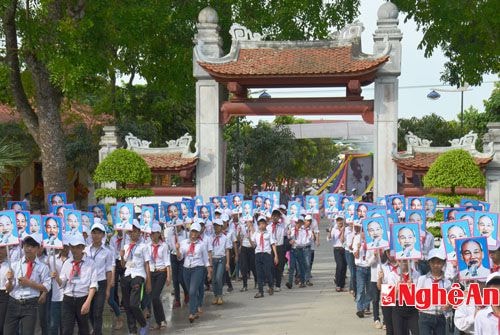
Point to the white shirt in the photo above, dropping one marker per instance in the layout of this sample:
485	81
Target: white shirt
303	237
162	259
116	243
78	283
57	292
279	233
40	275
220	244
426	281
365	257
136	259
103	258
481	272
199	257
265	245
464	318
486	322
52	243
172	236
244	235
4	268
349	236
335	237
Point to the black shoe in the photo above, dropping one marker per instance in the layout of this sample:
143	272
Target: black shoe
302	285
308	283
244	289
288	285
259	295
271	291
360	314
230	289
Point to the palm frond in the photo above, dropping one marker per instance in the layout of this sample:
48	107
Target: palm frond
12	156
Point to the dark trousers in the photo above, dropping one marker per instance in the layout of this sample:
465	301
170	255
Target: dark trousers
44	313
264	269
404	320
247	263
4	302
119	273
340	266
278	269
178	277
431	324
349	257
297	263
228	274
71	312
21	317
131	297
194	277
387	313
158	279
375	293
55	327
97	307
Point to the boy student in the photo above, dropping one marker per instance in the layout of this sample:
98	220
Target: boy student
297	239
174	235
116	243
135	258
78	279
220	260
277	229
57	291
337	239
312	231
264	243
27	279
229	231
363	259
4	296
160	274
104	263
247	253
433	320
195	255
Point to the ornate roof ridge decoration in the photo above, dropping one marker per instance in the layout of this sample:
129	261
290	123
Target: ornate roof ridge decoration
415	144
180	146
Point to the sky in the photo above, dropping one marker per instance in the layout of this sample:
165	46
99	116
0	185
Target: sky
418	76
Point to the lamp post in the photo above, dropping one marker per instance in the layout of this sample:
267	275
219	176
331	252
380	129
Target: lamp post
434	95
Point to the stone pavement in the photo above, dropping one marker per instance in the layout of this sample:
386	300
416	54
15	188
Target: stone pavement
311	310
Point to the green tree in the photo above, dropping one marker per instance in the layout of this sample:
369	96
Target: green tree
128	170
466	31
453	169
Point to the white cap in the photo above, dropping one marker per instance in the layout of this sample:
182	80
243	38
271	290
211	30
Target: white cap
136	224
436	253
492	276
283	207
218	211
308	218
76	239
99	226
36	237
65	240
218	222
97	220
155	228
224	217
196	226
261	218
199	221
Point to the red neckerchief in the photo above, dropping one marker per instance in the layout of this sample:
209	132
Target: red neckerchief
495	268
216	240
131	247
155	251
191	248
406	277
118	242
29	268
394	268
274	228
75	270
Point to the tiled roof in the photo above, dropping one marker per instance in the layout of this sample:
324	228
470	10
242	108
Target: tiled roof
295	62
170	161
422	161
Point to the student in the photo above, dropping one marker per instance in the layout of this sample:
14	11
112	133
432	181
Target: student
486	322
55	325
103	259
196	262
160	274
277	229
206	238
220	260
228	231
405	318
373	288
264	243
433	320
116	243
312	232
78	279
135	258
337	239
27	279
4	295
297	238
388	273
247	252
349	255
176	234
363	259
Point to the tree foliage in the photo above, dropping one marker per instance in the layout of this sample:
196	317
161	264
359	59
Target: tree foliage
452	169
466	31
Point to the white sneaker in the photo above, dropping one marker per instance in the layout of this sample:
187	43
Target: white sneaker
378	324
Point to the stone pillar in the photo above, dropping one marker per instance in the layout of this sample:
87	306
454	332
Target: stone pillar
109	143
211	163
387	38
493	168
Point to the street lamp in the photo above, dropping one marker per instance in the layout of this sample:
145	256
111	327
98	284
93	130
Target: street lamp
434	95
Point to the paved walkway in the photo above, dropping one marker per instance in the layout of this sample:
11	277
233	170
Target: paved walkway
311	310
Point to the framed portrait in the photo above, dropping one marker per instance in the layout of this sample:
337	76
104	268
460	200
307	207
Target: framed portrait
268	205
198	200
450	213
61	209
375	233
359	173
360	211
99	211
147	217
258	202
35	226
300	199
204	212
52	232
430	207
113	214
73	222
225	202
187	209
8	228
163	210
380	201
415	203
464	202
87	219
17	205
156	208
247	213
344	200
124	216
216	201
350	210
486	225
331	203
236	201
312	204
406	239
293	211
392	218
57	199
416	216
377	213
171	212
451	231
22	223
396	203
472	256
275	196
